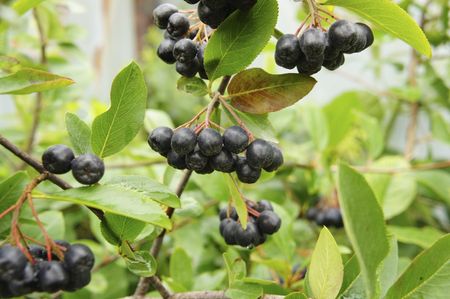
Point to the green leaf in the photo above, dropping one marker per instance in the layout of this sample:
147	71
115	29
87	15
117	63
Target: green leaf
10	191
440	127
113	199
389	267
142	264
124	228
427	276
235	44
364	225
437	181
236	268
53	222
149	189
194	86
237	199
22	6
259	125
391	18
255	91
326	270
114	129
79	133
296	295
351	274
316	123
242	290
27	80
181	268
374	134
423	237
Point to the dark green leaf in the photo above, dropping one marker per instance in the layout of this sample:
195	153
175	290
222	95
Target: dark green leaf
242	290
236	44
427	276
364	224
114	129
27	80
142	264
423	237
79	133
351	274
255	91
124	228
195	86
387	15
237	200
53	222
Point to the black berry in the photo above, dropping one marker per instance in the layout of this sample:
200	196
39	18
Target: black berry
79	258
162	13
183	141
206	170
287	52
235	139
165	51
269	222
248	236
12	263
52	276
88	169
368	33
178	25
264	205
223	162
188	69
246	173
210	142
223	214
230	231
334	63
311	214
310	66
277	160
185	50
260	154
212	17
27	284
342	35
196	161
215	4
313	43
57	159
160	139
333	217
176	161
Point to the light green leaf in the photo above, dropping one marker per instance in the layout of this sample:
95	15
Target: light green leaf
22	6
255	91
79	133
236	44
194	86
113	199
296	295
242	290
389	267
437	181
147	188
237	199
259	124
351	274
10	191
389	17
440	127
326	270
374	135
124	228
423	237
427	276
142	264
114	129
236	268
53	222
364	225
316	124
27	80
181	268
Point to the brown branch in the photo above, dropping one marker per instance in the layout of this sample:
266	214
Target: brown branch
207	295
39	100
145	282
40	168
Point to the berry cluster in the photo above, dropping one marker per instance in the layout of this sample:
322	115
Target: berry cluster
316	48
19	277
327	216
184	44
262	221
209	151
87	169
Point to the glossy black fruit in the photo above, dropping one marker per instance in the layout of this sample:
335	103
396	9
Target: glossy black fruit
57	159
230	231
192	1
335	63
162	13
248	236
223	214
269	222
165	51
313	43
260	154
287	52
246	4
215	4
368	33
342	35
310	67
264	205
246	173
188	69
235	139
38	252
27	284
178	25
88	169
224	223
210	142
183	141
78	280
185	50
311	214
207	170
79	258
196	161
52	276
160	140
223	162
212	17
12	263
333	217
176	161
5	292
277	160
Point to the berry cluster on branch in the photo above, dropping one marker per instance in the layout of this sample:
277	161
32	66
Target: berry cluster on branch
325	216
